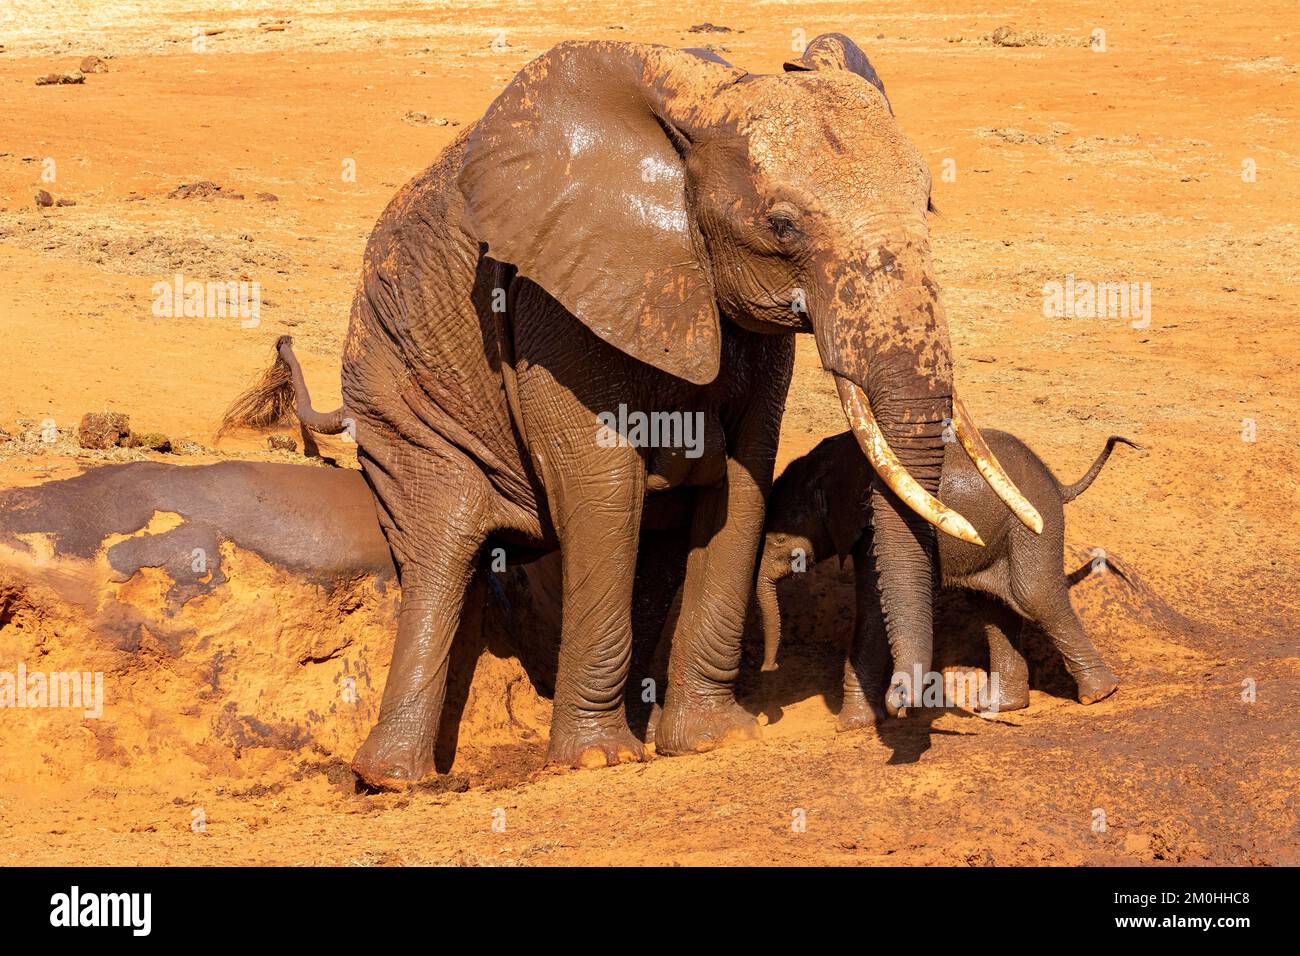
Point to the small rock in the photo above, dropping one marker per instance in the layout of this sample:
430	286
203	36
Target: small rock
60	79
282	443
5	436
65	202
707	27
153	441
266	197
93	64
44	199
103	430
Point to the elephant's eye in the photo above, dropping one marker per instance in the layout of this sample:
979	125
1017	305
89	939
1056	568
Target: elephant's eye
781	225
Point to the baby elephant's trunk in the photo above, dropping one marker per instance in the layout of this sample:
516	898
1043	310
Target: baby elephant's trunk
769	610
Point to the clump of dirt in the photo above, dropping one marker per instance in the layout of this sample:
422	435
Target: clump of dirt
104	430
1008	37
61	79
418	118
1009	134
132	248
203	189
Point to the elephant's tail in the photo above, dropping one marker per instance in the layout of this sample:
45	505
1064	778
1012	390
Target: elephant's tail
1070	492
279	397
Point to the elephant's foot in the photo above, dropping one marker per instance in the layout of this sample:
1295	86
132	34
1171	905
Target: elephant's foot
1012	695
392	759
857	714
589	744
1096	683
700	727
1006	701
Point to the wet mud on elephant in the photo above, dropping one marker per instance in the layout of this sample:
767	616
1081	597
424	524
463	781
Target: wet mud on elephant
636	229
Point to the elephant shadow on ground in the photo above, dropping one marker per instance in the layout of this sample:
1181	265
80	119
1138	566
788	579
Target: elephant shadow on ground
512	614
518	614
817	612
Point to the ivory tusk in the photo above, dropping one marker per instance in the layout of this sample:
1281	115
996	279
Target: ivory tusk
891	471
980	453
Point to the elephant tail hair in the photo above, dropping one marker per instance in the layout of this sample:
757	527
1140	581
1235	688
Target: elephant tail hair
1070	492
280	397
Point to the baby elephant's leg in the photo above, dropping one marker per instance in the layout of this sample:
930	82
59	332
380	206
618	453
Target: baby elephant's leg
868	665
1055	615
1008	672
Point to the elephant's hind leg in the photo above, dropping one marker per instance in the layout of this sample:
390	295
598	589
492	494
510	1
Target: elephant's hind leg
1006	662
598	520
1055	615
700	709
436	544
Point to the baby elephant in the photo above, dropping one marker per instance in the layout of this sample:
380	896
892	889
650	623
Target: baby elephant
821	506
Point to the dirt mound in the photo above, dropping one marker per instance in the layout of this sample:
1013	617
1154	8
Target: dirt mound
224	653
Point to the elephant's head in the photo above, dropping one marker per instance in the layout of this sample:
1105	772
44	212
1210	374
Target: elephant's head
654	192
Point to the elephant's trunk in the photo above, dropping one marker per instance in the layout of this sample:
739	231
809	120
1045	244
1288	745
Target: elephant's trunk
884	336
904	549
769	610
893	371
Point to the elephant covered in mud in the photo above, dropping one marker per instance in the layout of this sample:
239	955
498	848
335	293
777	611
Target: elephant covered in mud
821	506
636	231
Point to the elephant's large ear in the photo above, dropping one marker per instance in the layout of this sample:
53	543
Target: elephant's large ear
576	175
835	51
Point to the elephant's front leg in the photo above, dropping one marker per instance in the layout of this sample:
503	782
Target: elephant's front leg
867	667
598	523
700	709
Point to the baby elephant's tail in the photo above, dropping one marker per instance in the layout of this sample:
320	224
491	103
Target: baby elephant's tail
279	397
1070	492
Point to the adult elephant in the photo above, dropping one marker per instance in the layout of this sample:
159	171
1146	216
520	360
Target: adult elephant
633	228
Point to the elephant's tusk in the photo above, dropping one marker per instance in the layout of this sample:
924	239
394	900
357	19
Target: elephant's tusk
988	466
891	471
